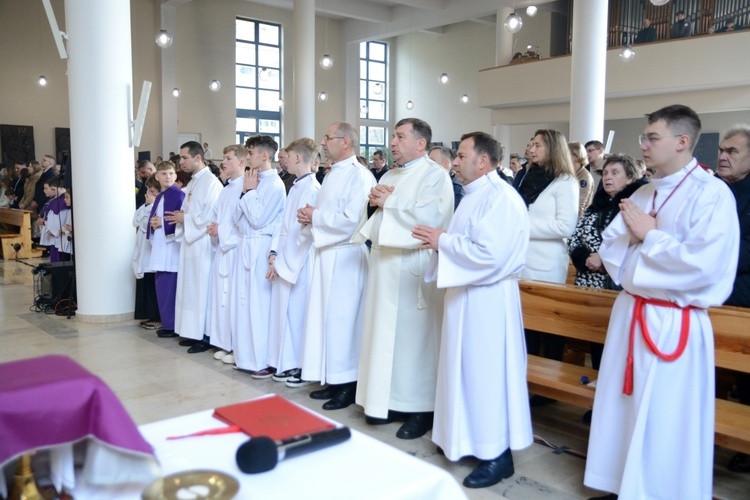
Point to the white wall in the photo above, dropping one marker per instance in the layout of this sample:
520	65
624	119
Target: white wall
417	62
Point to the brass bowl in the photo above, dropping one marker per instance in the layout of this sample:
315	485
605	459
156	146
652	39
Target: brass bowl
194	484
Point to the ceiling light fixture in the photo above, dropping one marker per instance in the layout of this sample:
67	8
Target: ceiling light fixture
164	39
409	105
176	92
627	53
42	81
465	98
214	86
322	96
513	23
531	10
444	79
326	62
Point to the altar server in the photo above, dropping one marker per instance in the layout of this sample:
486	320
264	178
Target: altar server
674	249
477	261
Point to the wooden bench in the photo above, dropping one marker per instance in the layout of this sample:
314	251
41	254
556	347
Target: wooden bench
15	228
583	313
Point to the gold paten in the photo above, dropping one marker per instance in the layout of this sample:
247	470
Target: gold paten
197	484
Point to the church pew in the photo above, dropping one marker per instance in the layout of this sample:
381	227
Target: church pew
15	228
583	313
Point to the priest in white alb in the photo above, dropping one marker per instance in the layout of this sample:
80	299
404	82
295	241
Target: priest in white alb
401	327
330	352
481	405
196	252
674	249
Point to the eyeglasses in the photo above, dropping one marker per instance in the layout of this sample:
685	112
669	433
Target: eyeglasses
652	139
327	138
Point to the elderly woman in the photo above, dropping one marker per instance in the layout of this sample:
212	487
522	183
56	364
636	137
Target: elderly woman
585	181
620	179
550	191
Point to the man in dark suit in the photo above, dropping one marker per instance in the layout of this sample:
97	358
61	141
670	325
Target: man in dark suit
647	33
379	165
734	166
681	27
48	172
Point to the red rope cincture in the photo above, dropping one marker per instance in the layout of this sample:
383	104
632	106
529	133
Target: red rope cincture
639	319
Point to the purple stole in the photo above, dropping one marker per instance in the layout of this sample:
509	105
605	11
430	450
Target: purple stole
173	197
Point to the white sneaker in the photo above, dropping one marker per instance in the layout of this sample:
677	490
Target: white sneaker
297	382
220	354
228	359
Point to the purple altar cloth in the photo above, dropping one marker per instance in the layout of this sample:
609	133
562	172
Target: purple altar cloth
52	400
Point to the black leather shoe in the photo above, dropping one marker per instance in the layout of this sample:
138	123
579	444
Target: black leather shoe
490	472
188	342
199	347
343	398
610	496
536	401
393	416
166	334
416	425
326	393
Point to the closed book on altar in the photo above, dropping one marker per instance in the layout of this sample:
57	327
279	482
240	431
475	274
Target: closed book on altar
272	416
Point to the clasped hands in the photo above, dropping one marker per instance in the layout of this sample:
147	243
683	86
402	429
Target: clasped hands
379	194
638	222
305	214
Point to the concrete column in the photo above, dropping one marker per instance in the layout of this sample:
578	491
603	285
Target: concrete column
100	89
503	38
169	115
305	60
588	70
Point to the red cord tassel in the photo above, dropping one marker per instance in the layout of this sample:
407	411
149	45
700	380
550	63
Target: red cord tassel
627	388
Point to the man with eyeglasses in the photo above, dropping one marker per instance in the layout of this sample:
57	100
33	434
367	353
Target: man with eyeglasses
734	166
402	315
652	431
595	155
330	353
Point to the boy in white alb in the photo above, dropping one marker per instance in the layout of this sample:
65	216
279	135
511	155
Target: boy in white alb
146	302
225	240
256	217
289	265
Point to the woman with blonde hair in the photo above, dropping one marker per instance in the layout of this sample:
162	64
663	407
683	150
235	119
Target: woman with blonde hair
550	191
585	180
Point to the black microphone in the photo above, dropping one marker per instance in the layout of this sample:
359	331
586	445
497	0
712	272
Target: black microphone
261	453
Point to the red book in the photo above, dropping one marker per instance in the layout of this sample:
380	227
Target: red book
272	416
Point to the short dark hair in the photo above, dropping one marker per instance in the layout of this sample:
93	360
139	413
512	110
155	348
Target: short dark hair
194	148
679	119
484	143
53	182
680	13
264	142
596	144
420	127
379	153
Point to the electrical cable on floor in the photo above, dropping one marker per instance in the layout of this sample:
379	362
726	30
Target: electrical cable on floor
559	449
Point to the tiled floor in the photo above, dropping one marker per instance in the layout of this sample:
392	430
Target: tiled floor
157	379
